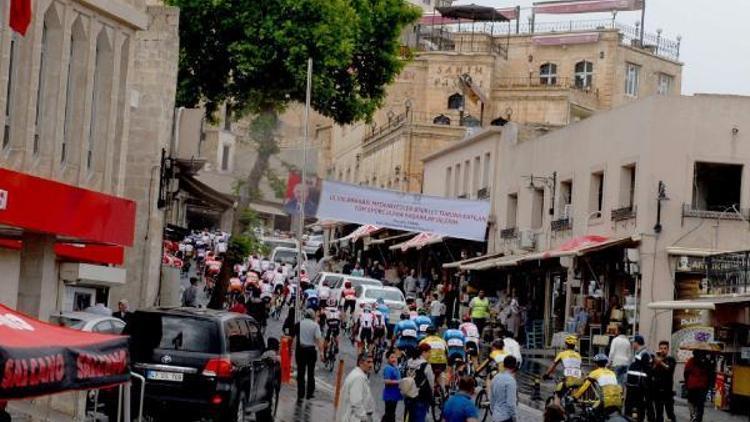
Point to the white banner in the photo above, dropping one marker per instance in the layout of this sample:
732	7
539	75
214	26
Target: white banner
459	218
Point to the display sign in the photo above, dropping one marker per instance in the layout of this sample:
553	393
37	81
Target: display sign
458	218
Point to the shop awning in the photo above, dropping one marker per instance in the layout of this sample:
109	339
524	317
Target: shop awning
488	264
78	252
270	209
418	242
41	358
388	239
205	193
701	303
582	245
457	264
359	232
694	252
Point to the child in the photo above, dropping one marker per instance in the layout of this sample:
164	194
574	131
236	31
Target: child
391	392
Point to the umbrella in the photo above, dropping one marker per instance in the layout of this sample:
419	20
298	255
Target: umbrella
472	11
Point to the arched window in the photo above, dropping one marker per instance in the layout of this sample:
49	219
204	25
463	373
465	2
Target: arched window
455	102
470	121
548	74
584	74
48	80
74	92
442	119
101	99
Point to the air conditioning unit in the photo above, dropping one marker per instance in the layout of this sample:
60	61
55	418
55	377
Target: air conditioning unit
527	239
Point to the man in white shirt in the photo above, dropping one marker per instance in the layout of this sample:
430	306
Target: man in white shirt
512	347
620	355
357	403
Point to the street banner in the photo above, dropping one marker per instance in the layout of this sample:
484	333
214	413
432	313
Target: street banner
295	191
458	218
586	6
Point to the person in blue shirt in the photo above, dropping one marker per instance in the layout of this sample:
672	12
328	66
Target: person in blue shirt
423	322
311	299
391	392
405	334
460	407
456	341
386	311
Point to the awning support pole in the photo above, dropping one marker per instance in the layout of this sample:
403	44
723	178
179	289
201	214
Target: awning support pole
125	401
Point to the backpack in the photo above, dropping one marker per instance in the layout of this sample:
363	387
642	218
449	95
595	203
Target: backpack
414	384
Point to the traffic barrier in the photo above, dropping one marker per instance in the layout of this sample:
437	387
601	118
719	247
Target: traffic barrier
339	378
285	350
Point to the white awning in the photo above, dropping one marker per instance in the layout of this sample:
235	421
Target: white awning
359	232
387	239
694	252
457	264
701	303
487	264
418	242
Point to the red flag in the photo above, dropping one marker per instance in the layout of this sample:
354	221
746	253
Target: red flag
20	15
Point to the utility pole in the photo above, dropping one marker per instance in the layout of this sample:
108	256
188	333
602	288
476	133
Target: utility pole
301	214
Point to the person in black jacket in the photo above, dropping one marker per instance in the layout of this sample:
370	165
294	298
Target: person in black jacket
662	383
638	380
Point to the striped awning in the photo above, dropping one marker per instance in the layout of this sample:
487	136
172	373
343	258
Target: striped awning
418	242
358	233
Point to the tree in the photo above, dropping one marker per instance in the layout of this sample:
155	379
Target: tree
252	55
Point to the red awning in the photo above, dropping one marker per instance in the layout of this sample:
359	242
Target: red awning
46	206
418	242
39	358
78	252
582	245
586	6
359	232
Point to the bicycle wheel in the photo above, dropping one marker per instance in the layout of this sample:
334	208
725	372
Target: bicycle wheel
330	359
483	405
377	359
437	404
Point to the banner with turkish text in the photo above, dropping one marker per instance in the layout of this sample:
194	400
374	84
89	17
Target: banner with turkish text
458	218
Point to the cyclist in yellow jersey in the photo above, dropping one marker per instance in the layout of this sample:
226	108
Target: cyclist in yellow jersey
571	364
611	399
438	356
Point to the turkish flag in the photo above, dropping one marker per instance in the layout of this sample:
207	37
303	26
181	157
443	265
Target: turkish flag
20	15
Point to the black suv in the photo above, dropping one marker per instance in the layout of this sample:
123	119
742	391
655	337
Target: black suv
201	363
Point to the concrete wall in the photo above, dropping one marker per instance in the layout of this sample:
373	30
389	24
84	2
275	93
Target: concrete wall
154	82
10	270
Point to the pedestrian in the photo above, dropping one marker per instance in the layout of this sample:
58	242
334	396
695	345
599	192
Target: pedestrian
662	381
437	309
504	396
357	403
512	347
358	271
391	392
190	295
699	376
122	311
239	305
420	371
308	338
637	382
620	355
480	310
460	407
410	284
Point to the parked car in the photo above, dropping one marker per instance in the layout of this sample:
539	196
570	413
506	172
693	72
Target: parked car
87	321
285	242
284	255
392	297
336	282
202	364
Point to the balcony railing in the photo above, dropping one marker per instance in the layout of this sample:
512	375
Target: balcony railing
483	193
561	224
624	213
509	233
718	213
547	82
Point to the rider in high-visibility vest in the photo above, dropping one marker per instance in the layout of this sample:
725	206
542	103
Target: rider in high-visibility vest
607	381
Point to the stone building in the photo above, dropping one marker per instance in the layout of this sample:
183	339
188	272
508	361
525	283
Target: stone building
87	95
578	217
552	74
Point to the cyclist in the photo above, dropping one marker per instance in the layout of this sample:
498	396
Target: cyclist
365	325
350	297
471	334
311	299
438	357
324	292
456	342
423	323
405	335
378	327
333	325
611	399
386	312
571	366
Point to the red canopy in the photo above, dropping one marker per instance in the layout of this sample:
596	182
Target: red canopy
37	358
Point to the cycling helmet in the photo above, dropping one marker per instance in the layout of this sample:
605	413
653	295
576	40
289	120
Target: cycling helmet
430	330
348	284
571	340
422	311
467	318
601	358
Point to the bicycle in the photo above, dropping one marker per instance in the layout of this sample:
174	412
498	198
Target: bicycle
276	307
331	352
440	396
378	355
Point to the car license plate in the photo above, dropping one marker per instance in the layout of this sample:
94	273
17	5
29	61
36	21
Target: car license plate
164	376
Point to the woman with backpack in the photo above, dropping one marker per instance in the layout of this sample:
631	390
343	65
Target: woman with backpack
417	384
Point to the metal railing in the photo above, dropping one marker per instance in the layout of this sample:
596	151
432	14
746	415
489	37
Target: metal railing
509	233
546	82
718	213
561	224
624	213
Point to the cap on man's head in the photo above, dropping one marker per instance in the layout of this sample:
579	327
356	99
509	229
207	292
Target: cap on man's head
123	301
639	339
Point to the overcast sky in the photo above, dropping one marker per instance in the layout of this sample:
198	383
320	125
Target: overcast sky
715	47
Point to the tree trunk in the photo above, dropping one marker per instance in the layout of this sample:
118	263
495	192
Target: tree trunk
263	132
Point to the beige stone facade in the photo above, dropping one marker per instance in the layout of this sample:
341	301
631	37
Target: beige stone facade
602	176
553	76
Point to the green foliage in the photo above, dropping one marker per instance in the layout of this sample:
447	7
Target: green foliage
253	54
277	183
